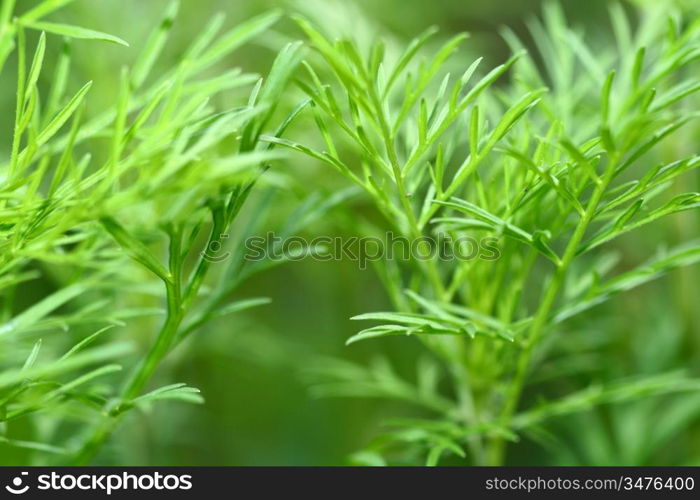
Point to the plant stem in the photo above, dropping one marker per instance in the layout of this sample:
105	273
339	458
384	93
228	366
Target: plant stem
459	371
429	267
137	382
177	307
538	327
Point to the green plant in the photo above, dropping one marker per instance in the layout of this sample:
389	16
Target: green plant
122	230
579	147
123	233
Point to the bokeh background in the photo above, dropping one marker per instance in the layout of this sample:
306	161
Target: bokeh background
252	368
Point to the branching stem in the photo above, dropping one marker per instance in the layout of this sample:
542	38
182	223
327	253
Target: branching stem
539	324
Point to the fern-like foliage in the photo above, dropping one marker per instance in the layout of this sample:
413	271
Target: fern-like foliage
123	235
558	153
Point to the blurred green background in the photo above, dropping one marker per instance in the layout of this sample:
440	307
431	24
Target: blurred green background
251	367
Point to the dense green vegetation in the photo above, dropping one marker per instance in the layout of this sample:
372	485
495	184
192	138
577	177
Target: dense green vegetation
136	167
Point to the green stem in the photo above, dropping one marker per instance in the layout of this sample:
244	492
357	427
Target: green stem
429	266
539	324
19	109
467	406
137	382
177	307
